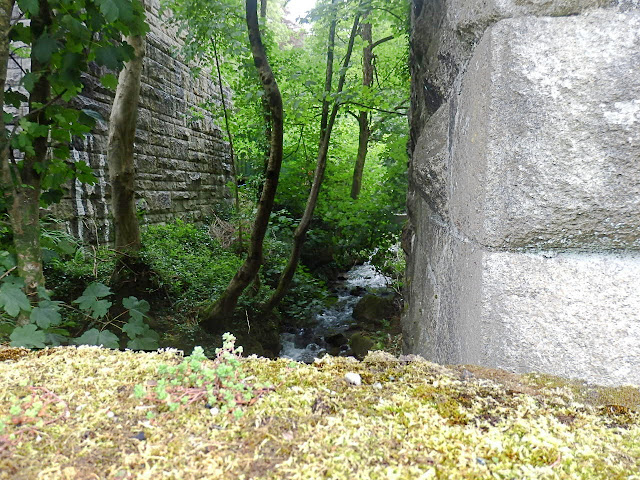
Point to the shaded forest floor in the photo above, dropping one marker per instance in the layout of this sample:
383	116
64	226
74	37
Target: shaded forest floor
408	419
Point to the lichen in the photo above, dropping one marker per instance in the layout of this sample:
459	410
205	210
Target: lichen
408	419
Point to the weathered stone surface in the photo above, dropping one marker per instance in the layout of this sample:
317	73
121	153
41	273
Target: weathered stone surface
547	135
574	314
182	159
524	193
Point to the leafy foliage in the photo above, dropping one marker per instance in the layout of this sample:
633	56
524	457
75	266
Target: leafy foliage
48	327
222	385
187	261
79	32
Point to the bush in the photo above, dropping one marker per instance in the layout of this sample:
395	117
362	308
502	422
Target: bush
187	262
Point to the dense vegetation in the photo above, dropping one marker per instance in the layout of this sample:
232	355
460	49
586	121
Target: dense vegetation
343	81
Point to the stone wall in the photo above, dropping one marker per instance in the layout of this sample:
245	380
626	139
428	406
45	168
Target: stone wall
524	196
182	157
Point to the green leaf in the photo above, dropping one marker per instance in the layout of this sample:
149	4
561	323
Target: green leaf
108	57
109	8
137	308
134	327
109	81
44	47
27	336
13	299
100	308
144	342
46	314
31	6
96	337
7	260
89	301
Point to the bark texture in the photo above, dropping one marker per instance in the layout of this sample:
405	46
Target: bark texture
217	314
301	230
120	153
24	206
6	7
363	116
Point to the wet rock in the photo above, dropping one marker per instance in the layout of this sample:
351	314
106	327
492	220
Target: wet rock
358	291
360	345
337	340
371	310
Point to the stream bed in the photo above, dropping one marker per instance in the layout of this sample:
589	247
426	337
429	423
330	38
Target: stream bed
307	344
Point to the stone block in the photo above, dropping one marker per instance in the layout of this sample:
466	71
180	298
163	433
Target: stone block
548	135
524	197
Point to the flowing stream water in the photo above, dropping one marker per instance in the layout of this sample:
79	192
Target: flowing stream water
307	344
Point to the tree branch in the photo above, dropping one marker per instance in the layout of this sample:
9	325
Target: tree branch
393	112
382	40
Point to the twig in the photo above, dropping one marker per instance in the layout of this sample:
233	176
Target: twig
7	272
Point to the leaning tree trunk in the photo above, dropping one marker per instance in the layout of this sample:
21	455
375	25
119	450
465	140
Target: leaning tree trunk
217	314
24	207
363	117
122	132
301	230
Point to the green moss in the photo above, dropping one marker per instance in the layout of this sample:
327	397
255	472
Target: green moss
407	420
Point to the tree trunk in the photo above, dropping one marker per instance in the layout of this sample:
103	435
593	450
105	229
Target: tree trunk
301	230
324	119
263	8
6	9
363	117
217	314
120	148
24	208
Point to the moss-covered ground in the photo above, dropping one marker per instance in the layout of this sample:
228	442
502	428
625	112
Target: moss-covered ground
408	420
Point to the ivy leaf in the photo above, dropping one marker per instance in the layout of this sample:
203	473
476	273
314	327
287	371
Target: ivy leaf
96	337
46	314
13	299
44	47
137	308
109	81
27	336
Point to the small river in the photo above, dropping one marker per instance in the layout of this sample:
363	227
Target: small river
307	344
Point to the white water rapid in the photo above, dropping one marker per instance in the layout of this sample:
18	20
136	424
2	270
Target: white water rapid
307	344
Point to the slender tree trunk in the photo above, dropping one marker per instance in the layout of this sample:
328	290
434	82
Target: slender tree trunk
324	119
266	111
120	153
363	117
301	230
6	9
24	208
217	314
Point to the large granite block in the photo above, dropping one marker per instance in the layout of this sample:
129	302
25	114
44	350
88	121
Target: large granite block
524	195
547	135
